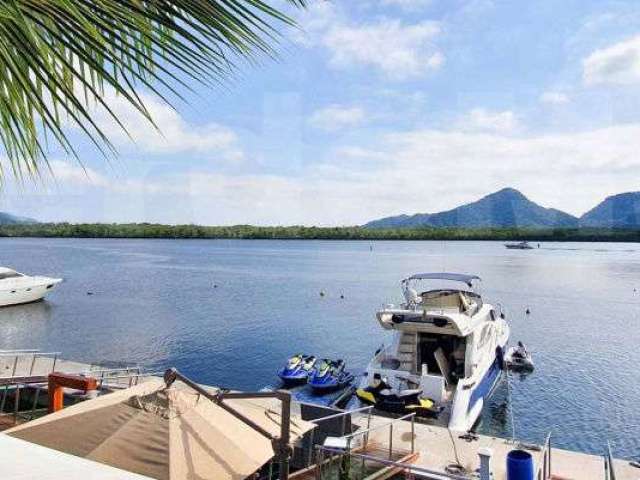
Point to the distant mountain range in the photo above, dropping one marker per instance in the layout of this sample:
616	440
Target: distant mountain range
8	219
510	208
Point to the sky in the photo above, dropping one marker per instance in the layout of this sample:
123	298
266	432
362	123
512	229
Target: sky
376	108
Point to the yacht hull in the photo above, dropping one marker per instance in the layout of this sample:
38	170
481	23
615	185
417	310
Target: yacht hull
468	403
18	295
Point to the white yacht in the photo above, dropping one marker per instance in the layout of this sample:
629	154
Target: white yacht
447	350
16	288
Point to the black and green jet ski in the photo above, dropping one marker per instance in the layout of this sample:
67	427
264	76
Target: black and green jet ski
387	399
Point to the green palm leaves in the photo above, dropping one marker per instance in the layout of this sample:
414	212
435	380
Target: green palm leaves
58	56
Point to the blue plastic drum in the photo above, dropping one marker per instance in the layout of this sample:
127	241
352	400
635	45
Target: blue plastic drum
519	465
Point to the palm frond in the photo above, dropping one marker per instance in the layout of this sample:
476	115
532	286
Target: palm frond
58	56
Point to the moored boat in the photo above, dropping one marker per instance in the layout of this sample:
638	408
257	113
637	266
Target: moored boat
448	345
17	288
519	246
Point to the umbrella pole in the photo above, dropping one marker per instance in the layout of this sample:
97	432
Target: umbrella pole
281	444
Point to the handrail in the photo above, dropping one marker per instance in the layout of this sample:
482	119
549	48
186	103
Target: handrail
610	473
377	427
26	353
342	413
544	469
433	474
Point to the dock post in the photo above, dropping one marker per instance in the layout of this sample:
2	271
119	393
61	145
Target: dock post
485	455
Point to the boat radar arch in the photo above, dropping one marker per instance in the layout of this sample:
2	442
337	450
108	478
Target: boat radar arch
454	277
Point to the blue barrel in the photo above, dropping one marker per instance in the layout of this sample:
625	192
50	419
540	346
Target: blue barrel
519	465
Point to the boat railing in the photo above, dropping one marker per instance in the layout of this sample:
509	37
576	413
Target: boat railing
544	465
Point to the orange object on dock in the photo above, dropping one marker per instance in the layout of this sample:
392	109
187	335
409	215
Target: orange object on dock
58	381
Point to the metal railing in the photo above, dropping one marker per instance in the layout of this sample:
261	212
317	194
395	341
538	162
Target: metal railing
19	369
115	378
355	446
609	468
544	467
413	470
337	422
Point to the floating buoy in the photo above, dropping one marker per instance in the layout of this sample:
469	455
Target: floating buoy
342	296
528	312
322	293
215	285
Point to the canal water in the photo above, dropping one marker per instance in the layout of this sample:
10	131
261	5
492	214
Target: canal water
230	313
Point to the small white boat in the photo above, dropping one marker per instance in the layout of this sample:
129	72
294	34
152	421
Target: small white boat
519	246
519	358
17	288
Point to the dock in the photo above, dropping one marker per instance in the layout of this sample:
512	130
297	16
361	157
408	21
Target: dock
377	447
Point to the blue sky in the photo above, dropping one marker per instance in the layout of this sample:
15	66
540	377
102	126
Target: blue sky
380	107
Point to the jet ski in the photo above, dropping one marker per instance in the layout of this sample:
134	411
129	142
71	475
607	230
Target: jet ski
383	397
519	358
329	375
297	369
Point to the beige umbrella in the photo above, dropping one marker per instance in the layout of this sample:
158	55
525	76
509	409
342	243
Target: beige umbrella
164	433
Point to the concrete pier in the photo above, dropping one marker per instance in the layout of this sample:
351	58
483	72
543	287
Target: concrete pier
438	448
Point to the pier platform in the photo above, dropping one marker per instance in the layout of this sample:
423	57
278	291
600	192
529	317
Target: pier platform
437	448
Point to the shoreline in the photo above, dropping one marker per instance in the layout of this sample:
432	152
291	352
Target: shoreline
249	232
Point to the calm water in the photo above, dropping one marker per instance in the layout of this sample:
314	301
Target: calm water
154	302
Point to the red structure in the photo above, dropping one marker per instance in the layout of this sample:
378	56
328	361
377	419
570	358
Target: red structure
57	383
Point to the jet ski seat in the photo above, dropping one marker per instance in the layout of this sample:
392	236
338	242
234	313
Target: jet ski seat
401	393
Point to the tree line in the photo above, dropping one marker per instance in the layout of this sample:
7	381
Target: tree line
153	230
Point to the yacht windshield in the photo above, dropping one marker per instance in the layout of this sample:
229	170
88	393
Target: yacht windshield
9	274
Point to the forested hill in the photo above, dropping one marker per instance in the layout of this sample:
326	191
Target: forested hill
148	230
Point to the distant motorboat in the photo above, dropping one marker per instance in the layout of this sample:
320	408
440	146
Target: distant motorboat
17	288
519	246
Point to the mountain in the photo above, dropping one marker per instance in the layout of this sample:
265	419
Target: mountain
504	208
616	211
8	219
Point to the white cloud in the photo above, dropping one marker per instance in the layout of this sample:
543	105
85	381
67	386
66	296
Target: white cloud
482	120
618	64
410	171
554	98
408	5
76	175
335	117
173	135
398	50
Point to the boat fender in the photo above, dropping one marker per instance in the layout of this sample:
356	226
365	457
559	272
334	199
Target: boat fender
500	357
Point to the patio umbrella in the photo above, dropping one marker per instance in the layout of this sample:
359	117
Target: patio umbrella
164	433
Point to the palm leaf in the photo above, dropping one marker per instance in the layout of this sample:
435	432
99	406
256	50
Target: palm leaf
58	56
